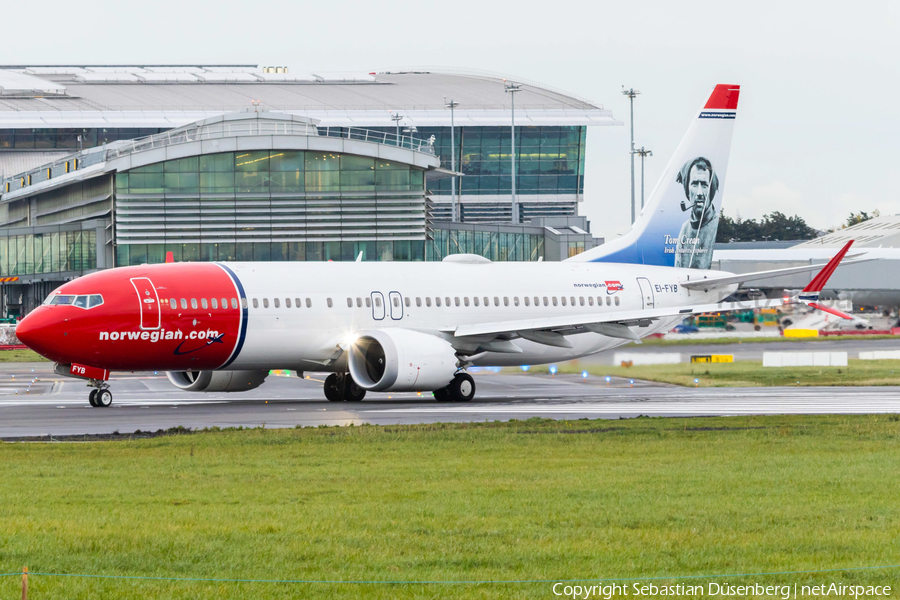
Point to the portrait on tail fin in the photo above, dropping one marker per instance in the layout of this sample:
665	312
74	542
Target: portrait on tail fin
694	248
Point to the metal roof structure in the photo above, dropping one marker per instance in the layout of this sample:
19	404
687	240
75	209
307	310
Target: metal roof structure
879	232
171	96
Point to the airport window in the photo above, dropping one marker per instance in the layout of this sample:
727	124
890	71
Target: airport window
496	301
475	300
234	303
277	302
427	301
466	300
329	303
590	300
255	303
204	303
505	301
554	301
527	301
406	301
308	303
418	302
183	304
173	303
456	301
437	301
349	302
265	303
214	302
359	303
287	302
617	300
193	303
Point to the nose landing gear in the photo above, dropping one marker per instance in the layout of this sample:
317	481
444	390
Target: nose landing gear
100	397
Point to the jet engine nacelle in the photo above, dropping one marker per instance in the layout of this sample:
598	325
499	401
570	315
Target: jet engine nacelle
217	381
401	360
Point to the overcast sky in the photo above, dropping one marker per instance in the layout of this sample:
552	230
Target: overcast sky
817	131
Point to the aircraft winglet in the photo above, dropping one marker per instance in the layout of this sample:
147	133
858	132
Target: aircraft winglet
810	294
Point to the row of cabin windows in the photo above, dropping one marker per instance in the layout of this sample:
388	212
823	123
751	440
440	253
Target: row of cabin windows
446	301
204	303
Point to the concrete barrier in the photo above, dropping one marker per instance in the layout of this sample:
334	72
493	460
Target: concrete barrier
880	355
804	359
647	358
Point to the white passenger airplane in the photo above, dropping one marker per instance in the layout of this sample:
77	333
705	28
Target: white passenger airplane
389	327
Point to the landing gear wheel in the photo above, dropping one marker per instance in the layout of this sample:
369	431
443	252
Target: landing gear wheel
333	391
103	398
462	388
442	395
352	391
93	398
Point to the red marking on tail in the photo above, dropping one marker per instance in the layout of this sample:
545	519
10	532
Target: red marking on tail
725	96
822	277
170	258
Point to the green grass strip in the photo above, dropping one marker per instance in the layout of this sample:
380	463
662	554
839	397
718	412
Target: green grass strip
473	582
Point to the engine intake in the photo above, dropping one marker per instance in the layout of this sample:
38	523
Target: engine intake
400	360
217	381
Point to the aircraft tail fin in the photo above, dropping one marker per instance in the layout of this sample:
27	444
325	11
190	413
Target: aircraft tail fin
678	225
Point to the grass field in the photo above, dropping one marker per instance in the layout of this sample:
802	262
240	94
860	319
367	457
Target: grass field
746	373
24	355
527	500
653	341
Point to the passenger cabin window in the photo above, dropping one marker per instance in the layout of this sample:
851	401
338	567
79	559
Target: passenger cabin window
563	300
419	302
309	303
377	301
505	301
215	303
349	302
456	301
617	300
527	301
427	301
554	301
255	303
447	300
608	300
475	300
396	302
590	300
466	300
496	301
368	302
581	300
359	303
265	303
173	303
193	303
437	301
204	303
225	303
545	301
183	304
287	302
277	302
406	301
329	303
572	300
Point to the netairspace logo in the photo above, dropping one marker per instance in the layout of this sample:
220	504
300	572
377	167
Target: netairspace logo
155	336
784	592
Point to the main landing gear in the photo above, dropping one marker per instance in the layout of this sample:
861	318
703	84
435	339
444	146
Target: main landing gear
340	387
100	397
461	389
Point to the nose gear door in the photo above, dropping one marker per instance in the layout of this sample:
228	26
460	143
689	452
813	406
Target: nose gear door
149	302
646	292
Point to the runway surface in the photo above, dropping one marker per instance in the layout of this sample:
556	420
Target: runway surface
40	403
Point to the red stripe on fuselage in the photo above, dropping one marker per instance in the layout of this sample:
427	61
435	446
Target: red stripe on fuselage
109	336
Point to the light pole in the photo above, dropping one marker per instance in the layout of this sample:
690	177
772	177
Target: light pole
631	93
643	154
455	215
396	118
511	89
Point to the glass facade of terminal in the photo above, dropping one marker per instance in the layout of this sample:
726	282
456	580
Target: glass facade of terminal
54	252
270	205
550	159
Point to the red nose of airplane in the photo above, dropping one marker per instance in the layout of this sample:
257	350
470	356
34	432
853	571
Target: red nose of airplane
40	331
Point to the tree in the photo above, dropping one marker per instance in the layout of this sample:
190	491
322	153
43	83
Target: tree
861	217
773	226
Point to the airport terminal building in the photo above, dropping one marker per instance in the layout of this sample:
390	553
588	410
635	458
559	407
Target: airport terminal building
117	166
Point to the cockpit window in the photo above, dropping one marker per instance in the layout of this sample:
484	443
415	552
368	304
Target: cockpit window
87	301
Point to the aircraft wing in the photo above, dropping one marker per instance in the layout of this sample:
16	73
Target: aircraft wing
571	324
710	283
